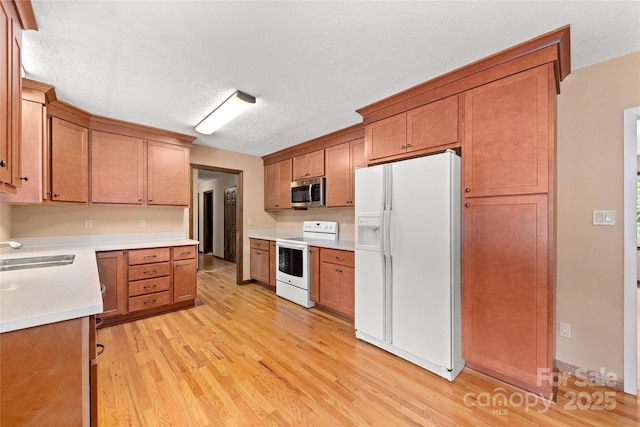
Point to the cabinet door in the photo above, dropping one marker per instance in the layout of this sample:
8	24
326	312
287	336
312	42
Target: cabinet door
259	265
433	125
507	289
386	137
277	182
338	182
184	280
168	174
506	135
358	160
33	124
10	96
117	169
346	291
5	94
329	285
309	165
111	272
271	176
314	273
69	162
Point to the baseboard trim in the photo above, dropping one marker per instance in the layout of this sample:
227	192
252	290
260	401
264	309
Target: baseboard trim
595	377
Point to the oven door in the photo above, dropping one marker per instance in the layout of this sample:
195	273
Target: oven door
292	261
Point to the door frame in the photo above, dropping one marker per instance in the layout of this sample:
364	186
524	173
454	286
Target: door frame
239	213
631	117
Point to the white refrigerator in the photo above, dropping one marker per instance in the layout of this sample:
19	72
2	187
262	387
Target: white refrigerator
407	260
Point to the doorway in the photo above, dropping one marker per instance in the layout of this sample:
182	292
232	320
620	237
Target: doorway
215	214
207	221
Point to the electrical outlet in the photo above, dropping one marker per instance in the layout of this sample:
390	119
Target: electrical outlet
141	223
565	330
88	223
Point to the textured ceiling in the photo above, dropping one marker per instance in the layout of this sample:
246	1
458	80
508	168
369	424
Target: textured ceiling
310	65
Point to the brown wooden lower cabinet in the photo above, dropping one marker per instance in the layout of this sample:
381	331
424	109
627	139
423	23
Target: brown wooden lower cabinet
48	374
260	261
507	291
337	281
144	282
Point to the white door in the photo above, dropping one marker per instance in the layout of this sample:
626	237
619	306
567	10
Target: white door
421	228
369	282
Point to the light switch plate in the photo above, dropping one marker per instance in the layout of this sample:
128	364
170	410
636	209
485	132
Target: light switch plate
88	223
604	217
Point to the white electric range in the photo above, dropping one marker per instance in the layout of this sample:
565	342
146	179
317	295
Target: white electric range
292	261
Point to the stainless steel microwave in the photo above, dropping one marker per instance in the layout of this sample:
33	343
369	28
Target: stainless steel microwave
308	193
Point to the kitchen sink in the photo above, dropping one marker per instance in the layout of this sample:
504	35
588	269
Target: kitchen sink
35	262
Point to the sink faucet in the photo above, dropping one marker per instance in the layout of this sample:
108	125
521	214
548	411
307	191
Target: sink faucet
13	244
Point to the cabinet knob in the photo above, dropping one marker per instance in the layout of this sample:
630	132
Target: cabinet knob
56	195
24	178
408	145
467	190
466	205
3	163
403	146
139	200
151	200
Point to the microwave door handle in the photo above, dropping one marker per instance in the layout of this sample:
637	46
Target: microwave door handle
310	193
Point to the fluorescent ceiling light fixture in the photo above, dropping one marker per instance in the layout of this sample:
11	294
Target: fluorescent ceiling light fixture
234	105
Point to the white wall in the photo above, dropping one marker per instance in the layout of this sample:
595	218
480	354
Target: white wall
590	176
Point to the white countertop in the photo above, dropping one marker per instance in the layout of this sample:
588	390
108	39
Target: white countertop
345	243
38	296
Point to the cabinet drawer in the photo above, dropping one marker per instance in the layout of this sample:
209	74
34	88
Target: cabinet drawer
259	244
148	271
336	256
149	301
141	287
143	256
183	252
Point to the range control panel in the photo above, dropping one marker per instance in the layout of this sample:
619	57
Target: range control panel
330	227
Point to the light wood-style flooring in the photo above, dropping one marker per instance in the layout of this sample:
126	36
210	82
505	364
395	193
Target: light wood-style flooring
244	357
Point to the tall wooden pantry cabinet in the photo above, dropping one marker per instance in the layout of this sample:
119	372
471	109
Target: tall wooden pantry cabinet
499	114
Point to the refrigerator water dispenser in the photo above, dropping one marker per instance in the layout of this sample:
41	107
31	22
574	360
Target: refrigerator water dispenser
369	232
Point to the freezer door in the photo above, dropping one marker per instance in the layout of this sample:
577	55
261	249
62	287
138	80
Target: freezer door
422	248
369	260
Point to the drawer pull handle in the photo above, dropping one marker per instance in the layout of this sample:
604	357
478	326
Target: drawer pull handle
149	271
340	258
150	302
150	286
185	253
338	270
150	256
100	349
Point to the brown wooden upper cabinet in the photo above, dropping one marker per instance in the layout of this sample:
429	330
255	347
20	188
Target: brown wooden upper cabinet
68	162
277	185
341	162
33	131
10	88
125	168
168	174
506	135
308	165
429	128
117	169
